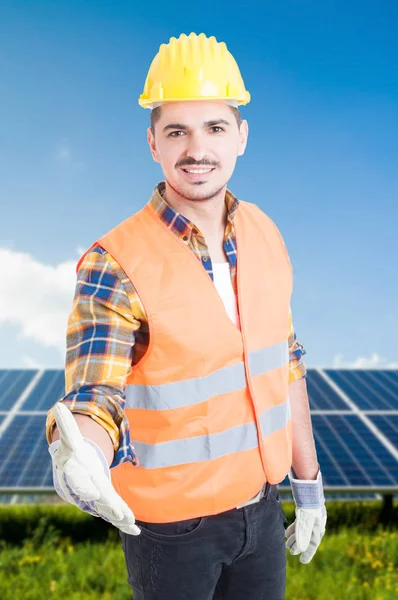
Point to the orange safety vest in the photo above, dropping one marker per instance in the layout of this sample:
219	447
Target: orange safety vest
208	404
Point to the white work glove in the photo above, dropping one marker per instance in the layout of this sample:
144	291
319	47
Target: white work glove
82	477
305	534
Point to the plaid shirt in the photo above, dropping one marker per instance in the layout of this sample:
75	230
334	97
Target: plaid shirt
108	329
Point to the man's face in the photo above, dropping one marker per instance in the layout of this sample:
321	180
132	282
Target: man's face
195	135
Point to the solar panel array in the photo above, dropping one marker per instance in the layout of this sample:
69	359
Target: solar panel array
354	417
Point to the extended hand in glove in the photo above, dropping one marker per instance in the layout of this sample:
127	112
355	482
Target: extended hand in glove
81	476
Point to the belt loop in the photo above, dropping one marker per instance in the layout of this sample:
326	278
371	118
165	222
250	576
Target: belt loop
262	491
267	490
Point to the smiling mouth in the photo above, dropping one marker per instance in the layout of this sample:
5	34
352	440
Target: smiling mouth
198	173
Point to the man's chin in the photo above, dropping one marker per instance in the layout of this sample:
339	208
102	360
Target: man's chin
196	192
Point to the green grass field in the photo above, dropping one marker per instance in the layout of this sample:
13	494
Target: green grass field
350	563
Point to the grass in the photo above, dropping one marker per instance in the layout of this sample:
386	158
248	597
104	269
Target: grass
48	561
347	564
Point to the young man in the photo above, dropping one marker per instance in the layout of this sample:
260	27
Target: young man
181	340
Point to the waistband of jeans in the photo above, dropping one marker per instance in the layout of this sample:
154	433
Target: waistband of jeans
264	490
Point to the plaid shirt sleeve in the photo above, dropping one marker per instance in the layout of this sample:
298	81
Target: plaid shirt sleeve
99	346
297	368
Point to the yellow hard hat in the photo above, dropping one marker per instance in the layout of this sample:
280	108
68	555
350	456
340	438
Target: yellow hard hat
193	67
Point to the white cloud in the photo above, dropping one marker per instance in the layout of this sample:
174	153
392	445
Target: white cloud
375	361
30	362
36	297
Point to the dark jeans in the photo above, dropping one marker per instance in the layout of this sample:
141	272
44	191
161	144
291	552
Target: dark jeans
239	554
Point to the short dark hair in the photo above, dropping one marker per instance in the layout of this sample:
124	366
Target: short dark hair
155	116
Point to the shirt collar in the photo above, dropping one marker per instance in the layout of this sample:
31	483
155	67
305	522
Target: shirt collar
176	221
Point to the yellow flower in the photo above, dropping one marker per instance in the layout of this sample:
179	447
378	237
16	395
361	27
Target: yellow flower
29	560
53	585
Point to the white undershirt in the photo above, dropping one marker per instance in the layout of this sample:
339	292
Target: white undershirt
223	283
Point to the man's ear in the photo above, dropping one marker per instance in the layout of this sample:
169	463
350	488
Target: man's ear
243	135
152	145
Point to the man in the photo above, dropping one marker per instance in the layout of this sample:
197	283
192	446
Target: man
181	340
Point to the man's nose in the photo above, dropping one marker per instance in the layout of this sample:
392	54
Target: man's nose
196	149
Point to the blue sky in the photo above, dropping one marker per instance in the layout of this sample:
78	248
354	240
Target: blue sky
321	159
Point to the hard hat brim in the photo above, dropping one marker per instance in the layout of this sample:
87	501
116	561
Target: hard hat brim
147	103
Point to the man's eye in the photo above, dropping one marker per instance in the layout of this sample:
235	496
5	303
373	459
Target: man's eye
175	133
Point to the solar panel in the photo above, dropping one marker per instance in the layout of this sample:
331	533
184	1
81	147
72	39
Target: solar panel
321	396
388	424
12	384
389	376
350	454
49	389
3	373
370	390
25	450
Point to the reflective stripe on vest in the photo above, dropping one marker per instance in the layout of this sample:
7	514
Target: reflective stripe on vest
175	395
210	447
172	396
